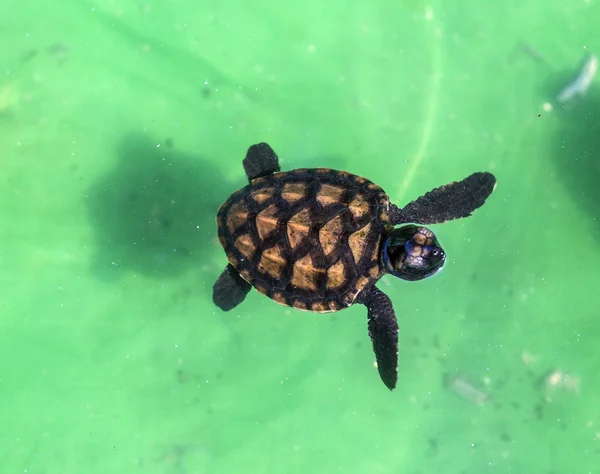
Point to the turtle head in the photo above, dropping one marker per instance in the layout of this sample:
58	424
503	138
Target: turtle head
412	253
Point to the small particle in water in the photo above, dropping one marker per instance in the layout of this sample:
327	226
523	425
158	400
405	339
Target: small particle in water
60	52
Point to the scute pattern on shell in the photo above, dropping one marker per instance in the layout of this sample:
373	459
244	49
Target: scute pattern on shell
307	238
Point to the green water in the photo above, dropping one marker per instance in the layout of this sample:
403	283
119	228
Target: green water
122	128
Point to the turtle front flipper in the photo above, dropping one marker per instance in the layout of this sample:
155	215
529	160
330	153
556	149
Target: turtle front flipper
230	289
383	330
260	160
452	201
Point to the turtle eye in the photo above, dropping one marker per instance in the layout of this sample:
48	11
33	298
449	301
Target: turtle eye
412	253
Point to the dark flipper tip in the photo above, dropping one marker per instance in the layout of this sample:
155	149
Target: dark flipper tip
260	160
230	289
482	184
383	330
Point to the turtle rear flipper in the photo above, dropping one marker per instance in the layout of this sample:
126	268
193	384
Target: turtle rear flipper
260	160
383	330
230	289
452	201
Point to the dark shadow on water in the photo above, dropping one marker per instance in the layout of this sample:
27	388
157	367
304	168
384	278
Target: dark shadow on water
154	213
575	145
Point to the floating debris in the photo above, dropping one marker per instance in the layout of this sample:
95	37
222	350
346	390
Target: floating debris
582	82
528	358
558	380
524	49
460	385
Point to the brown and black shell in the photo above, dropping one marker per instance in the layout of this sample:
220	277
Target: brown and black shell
307	238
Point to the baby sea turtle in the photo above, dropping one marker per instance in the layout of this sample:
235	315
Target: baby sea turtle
319	239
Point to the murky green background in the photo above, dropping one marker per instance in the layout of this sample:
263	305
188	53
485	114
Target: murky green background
122	128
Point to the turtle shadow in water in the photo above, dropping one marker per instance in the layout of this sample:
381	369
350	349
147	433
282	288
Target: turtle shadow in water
154	213
576	150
